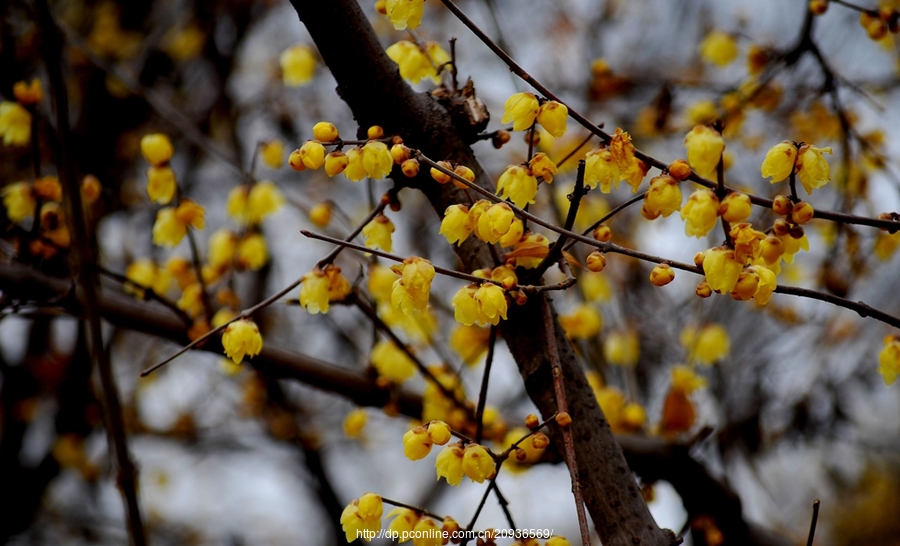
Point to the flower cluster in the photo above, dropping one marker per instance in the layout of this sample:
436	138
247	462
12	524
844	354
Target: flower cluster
608	165
417	63
15	117
524	110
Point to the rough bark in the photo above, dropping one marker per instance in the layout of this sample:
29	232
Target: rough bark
370	84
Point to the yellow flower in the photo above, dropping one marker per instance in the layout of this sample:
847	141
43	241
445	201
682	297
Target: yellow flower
466	310
718	48
595	287
19	201
221	249
600	168
251	206
414	64
320	214
518	185
514	235
312	154
253	252
622	348
362	518
746	242
706	346
167	230
410	292
439	432
15	124
391	362
377	159
298	64
704	149
381	282
470	343
272	153
685	380
663	197
530	250
700	213
491	302
793	246
631	169
147	274
542	166
355	171
426	533
768	281
319	288
161	185
416	444
494	223
552	116
378	233
736	207
812	169
404	522
521	109
721	269
405	13
354	422
889	360
157	149
779	161
28	93
449	464
191	300
477	463
241	338
584	322
456	225
702	112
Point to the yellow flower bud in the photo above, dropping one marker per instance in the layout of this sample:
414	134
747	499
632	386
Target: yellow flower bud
90	189
735	207
449	464
354	423
410	292
596	261
718	48
28	94
802	212
416	444
812	168
377	160
324	131
439	176
662	275
410	168
465	173
272	153
320	214
15	124
542	166
622	348
585	322
663	197
253	253
157	149
312	154
721	269
439	432
746	286
889	360
335	163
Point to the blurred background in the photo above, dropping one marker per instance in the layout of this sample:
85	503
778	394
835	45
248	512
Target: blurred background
229	456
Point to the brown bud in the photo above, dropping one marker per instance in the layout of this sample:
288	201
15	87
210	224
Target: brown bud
782	205
500	138
698	259
662	275
520	454
563	419
781	227
797	232
410	167
540	440
680	170
703	290
532	421
532	137
818	7
602	233
802	212
596	261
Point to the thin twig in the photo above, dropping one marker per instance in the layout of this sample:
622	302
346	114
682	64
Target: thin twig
416	509
482	395
812	524
562	407
556	250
